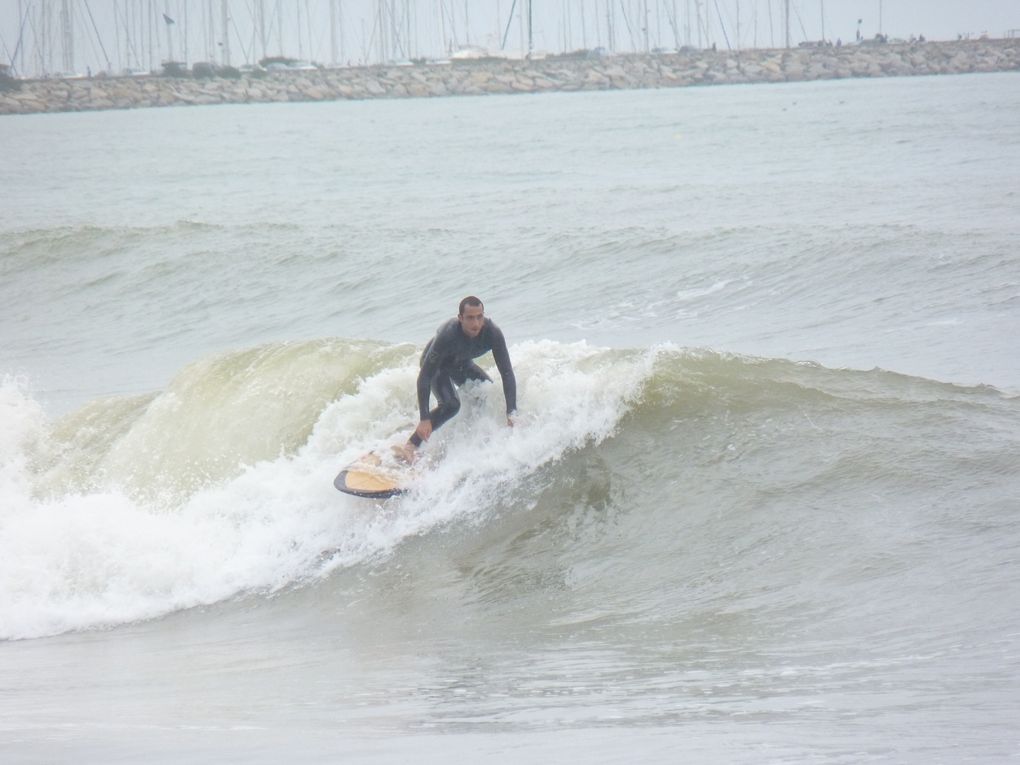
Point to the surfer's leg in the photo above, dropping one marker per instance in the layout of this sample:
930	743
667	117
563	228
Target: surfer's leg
446	394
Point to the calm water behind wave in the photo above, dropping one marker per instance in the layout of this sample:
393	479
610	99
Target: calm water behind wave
853	223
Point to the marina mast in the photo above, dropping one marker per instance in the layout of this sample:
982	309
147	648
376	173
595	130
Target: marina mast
67	32
787	3
225	22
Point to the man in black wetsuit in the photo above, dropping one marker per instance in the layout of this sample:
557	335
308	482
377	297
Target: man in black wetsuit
447	361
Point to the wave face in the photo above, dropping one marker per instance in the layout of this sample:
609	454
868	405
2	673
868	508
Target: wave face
649	489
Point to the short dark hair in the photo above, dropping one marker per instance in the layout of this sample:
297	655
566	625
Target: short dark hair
470	300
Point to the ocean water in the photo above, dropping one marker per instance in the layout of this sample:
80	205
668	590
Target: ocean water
761	504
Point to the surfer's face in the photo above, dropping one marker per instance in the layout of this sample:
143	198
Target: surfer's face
472	320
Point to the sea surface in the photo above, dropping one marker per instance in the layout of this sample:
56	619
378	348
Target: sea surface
761	502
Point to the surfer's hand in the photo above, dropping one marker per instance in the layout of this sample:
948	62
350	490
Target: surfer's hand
424	430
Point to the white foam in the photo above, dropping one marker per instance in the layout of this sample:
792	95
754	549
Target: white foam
81	560
21	425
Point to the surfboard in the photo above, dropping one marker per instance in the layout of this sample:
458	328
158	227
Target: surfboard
372	477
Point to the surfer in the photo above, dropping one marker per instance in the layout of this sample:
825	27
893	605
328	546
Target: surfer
447	361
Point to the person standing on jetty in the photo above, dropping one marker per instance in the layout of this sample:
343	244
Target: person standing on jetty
447	361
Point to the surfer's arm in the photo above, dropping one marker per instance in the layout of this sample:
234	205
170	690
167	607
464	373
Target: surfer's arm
424	430
424	389
501	356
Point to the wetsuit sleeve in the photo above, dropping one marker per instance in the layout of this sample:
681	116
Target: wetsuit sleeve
424	388
501	356
431	358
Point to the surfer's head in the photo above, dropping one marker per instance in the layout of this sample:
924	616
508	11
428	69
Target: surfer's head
471	316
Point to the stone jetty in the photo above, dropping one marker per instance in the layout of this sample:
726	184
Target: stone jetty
487	76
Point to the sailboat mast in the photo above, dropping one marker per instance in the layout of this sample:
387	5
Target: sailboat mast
787	4
225	13
531	44
332	33
166	25
67	31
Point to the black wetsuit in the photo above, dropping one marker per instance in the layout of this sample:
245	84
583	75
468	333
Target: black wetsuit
447	360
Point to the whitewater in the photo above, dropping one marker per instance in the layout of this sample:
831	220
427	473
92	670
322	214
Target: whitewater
760	502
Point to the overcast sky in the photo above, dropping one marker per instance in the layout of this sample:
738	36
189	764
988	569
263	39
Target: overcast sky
116	30
938	19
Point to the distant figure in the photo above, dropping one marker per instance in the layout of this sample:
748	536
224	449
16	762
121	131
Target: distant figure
839	42
921	39
88	71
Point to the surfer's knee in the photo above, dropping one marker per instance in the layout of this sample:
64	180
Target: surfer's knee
479	374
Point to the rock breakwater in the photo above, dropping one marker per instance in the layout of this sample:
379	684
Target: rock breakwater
687	68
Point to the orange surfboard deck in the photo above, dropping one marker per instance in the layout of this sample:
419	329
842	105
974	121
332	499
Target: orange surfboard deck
368	476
